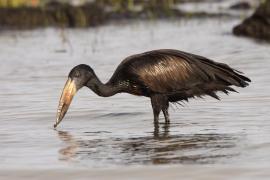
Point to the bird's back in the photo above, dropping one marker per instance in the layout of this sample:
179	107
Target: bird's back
177	74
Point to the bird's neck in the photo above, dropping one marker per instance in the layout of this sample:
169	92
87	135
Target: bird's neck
101	89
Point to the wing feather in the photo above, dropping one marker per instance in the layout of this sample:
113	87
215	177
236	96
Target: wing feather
180	75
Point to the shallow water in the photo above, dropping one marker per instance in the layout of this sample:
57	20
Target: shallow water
118	131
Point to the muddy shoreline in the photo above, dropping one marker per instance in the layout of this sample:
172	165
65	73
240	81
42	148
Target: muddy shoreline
61	15
90	15
256	26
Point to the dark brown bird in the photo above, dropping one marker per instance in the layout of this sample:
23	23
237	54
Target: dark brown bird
164	76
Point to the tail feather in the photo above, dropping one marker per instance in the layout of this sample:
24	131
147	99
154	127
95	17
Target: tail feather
225	72
211	77
213	94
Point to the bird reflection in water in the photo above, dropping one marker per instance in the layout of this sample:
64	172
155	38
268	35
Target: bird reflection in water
161	134
69	152
159	148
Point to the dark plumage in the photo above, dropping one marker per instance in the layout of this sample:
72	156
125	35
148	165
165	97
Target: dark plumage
165	76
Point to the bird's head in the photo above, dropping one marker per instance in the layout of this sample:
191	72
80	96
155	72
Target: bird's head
77	78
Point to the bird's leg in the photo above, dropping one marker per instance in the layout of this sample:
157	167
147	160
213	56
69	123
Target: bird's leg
160	102
165	111
166	115
155	101
156	111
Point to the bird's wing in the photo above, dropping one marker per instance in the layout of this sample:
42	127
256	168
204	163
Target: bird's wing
171	71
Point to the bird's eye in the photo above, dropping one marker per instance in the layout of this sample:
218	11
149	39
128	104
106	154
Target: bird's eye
77	74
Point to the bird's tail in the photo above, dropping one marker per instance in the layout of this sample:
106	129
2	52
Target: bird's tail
224	77
221	78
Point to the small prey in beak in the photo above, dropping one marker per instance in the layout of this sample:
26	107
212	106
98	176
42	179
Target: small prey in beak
67	95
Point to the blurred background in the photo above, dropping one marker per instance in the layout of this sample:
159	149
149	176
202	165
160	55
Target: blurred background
41	40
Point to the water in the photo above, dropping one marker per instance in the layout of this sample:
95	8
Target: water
118	131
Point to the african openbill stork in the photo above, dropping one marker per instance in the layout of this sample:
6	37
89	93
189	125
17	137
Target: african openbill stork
164	75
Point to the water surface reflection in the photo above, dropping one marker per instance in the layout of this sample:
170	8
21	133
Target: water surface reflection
158	148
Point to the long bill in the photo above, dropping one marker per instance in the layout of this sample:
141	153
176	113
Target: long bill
67	95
